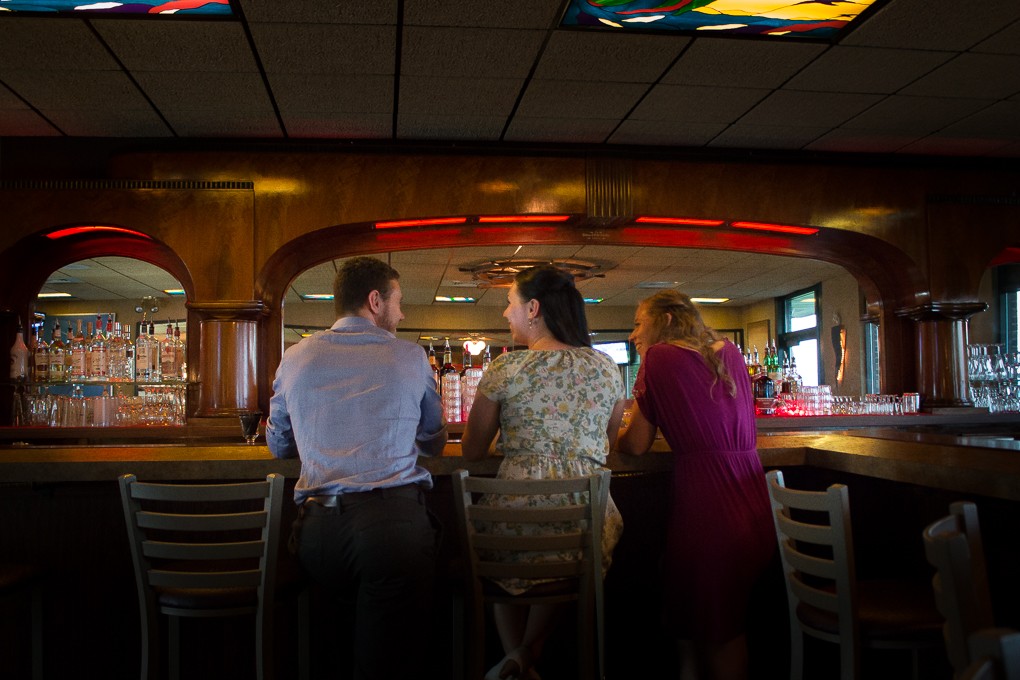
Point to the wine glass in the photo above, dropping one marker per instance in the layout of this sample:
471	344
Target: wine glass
250	426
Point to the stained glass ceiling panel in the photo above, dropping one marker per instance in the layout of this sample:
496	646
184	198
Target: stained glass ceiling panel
147	7
811	19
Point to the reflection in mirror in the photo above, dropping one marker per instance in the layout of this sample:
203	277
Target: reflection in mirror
613	278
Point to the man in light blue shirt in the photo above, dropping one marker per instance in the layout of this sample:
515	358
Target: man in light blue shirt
358	406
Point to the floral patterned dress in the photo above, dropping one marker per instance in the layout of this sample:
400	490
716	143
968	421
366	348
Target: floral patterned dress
554	409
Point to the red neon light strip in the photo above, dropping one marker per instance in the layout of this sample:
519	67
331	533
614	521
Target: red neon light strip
420	223
71	231
523	218
679	220
781	228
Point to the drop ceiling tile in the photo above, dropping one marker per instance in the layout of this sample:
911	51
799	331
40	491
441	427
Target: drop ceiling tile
788	108
919	115
944	144
740	63
998	120
767	137
9	101
24	123
68	90
579	99
608	56
196	46
469	53
452	96
410	126
351	93
217	93
325	48
318	12
866	69
540	14
41	44
697	104
993	76
326	125
198	123
926	25
1006	41
665	133
110	123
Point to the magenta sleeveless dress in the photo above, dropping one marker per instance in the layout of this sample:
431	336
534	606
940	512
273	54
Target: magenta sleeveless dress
720	536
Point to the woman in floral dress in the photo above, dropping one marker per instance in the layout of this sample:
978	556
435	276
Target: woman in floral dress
557	407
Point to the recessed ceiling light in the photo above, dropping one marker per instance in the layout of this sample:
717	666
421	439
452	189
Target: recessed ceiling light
658	284
174	291
54	295
593	301
317	296
454	298
709	301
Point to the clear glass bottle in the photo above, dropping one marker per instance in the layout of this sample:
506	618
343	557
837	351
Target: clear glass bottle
143	366
58	364
19	356
155	372
77	365
167	356
99	361
180	354
129	354
117	351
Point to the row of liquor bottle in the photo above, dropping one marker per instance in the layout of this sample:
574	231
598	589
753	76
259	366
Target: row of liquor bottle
98	353
457	388
771	376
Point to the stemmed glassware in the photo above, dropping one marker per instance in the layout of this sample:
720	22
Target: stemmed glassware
250	426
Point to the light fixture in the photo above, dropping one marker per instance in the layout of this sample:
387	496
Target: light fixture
317	296
147	303
73	231
54	295
592	301
453	298
475	347
779	228
174	291
691	221
709	300
501	273
399	224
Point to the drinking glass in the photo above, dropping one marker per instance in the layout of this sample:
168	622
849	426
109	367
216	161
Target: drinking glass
250	426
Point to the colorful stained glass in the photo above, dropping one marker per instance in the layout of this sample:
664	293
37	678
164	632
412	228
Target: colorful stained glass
815	19
154	7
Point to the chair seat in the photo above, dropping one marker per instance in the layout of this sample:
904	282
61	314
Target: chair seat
888	610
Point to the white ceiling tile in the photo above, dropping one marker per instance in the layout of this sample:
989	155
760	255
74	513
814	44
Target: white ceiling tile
697	104
40	44
608	57
1006	41
866	69
579	99
111	123
325	125
98	91
944	144
855	141
469	53
741	63
994	76
318	12
198	123
927	25
919	115
351	93
569	130
998	120
453	96
212	91
540	14
9	101
410	126
24	123
808	109
325	48
193	46
767	136
665	133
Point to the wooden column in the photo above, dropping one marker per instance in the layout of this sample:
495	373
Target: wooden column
228	356
941	336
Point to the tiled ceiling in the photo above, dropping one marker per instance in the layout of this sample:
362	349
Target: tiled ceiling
917	77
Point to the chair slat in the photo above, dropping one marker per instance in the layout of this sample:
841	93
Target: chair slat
822	599
203	551
808	564
801	531
200	492
218	522
492	513
246	578
526	487
567	542
530	570
804	500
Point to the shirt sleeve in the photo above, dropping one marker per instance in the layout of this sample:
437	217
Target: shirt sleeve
431	424
279	432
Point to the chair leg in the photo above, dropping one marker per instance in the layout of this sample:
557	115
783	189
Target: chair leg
304	633
796	653
457	619
174	648
37	633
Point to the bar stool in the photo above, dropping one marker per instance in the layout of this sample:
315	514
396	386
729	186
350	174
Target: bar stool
19	581
826	601
996	654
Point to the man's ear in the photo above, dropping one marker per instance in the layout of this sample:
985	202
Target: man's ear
375	301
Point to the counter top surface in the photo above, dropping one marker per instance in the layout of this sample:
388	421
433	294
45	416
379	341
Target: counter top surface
971	465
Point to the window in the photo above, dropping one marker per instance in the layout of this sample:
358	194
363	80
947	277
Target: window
872	379
798	336
1007	278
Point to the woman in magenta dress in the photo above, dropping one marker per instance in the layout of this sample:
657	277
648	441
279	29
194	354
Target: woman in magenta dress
693	386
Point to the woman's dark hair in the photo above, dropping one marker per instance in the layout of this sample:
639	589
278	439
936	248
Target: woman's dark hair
356	278
559	302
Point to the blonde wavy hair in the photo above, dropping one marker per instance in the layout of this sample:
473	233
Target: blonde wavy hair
676	320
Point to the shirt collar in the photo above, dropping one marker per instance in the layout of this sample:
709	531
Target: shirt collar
360	324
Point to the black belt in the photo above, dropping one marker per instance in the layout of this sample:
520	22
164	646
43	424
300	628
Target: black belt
340	500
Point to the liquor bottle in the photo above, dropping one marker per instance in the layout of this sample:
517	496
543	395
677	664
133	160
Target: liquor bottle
167	356
77	366
433	364
99	355
486	359
143	368
115	351
58	364
754	367
450	386
180	354
87	340
129	354
68	357
155	365
19	356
